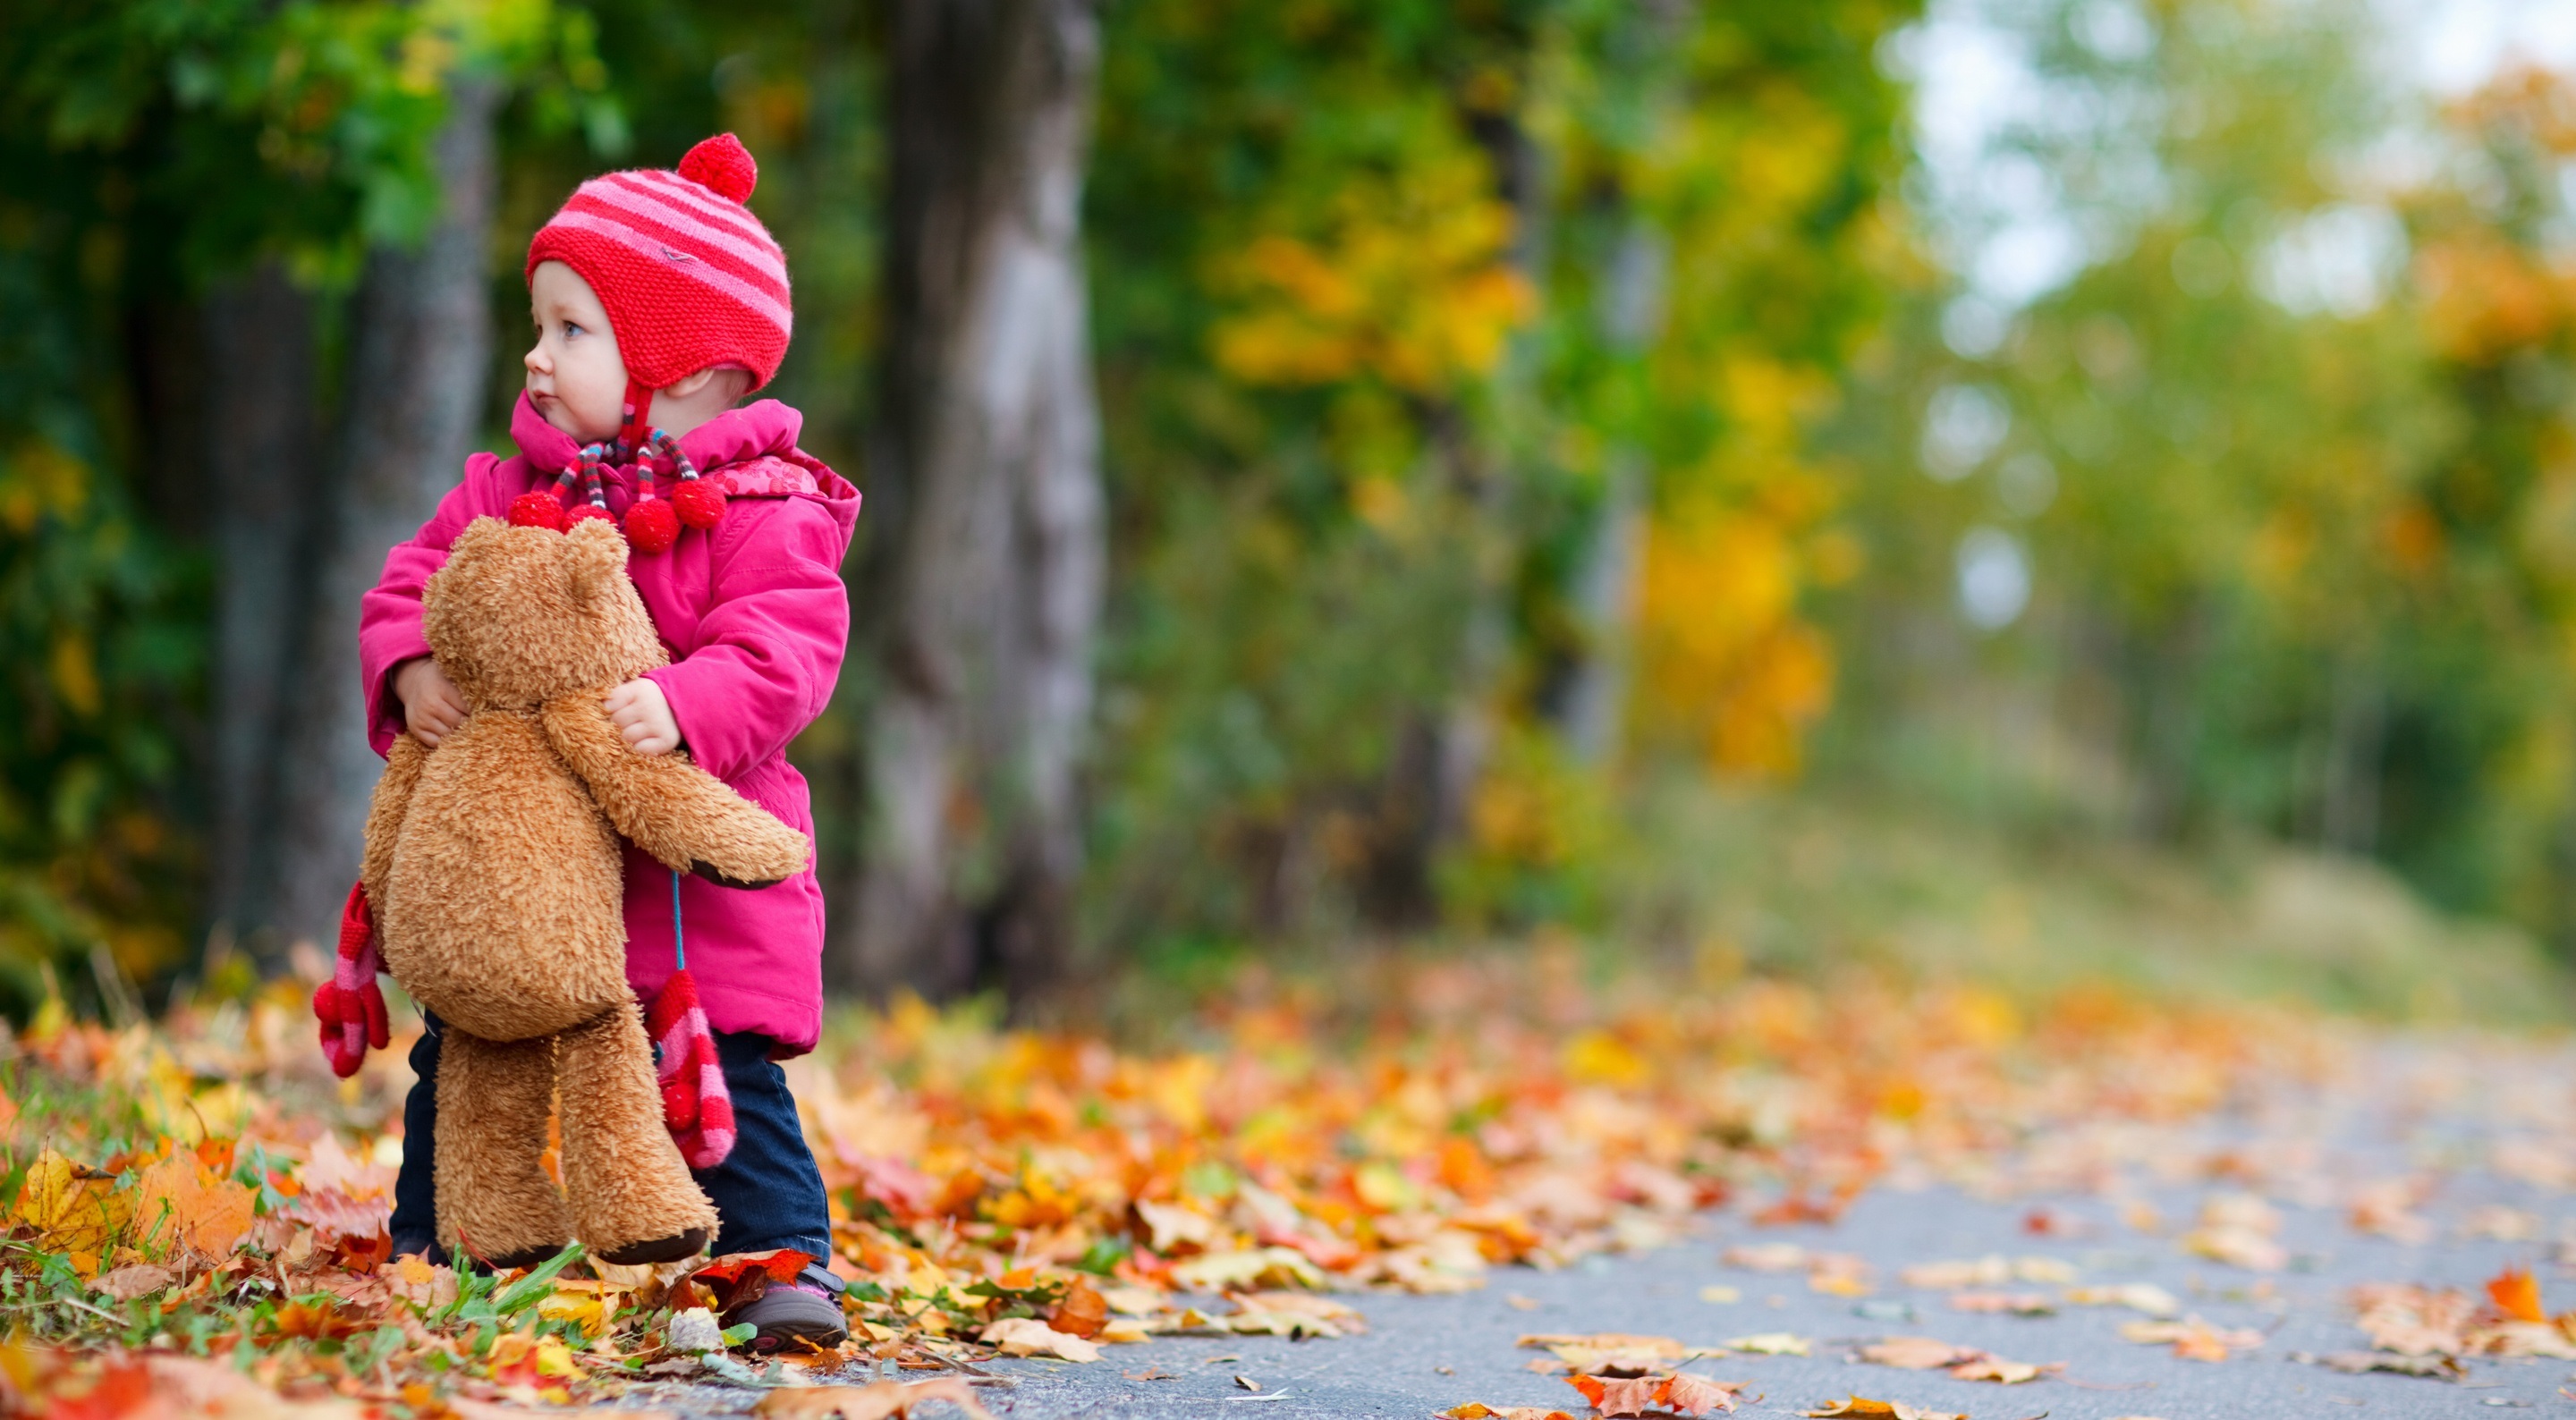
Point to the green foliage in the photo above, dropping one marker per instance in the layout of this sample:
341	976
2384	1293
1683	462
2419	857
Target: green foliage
156	147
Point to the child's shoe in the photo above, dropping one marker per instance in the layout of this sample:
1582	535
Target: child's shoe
786	1315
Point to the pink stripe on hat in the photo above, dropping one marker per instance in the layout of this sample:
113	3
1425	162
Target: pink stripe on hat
757	262
768	307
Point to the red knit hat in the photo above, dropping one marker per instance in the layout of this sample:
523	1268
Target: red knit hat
690	278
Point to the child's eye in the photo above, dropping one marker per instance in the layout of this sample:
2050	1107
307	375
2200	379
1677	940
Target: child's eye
571	329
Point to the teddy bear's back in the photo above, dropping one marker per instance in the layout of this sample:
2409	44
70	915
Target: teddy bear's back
503	908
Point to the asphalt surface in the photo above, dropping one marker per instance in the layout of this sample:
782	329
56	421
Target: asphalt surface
2431	1115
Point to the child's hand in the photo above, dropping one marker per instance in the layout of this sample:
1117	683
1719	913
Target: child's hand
643	717
432	705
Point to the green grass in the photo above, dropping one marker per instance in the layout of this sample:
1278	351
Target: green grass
1816	880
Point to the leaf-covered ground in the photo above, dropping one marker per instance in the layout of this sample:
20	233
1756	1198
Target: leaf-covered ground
196	1208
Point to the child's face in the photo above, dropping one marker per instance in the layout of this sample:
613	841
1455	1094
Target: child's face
575	374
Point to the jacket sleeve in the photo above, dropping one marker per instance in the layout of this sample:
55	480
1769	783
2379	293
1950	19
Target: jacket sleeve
389	616
769	651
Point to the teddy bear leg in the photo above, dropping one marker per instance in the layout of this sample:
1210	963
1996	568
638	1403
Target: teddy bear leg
494	1199
632	1197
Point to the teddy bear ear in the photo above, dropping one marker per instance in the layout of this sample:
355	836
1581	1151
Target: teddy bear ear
598	556
476	534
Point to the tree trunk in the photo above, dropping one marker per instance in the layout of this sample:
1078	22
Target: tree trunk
419	353
990	465
260	462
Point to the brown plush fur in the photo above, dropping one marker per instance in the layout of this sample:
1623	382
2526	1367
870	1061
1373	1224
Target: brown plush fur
495	871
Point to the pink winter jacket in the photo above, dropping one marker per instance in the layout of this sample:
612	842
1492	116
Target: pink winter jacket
755	618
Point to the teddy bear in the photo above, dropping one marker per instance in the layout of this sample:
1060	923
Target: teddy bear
494	874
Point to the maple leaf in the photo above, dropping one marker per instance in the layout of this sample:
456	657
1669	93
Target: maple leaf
1633	1396
2516	1293
1028	1336
182	1203
1687	1394
70	1207
878	1400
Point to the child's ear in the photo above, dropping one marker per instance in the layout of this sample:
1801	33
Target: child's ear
598	556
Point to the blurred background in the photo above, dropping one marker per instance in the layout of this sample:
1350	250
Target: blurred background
2022	490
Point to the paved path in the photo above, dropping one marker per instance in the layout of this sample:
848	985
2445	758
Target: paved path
2430	1117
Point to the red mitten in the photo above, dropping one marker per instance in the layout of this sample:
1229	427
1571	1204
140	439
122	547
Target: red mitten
350	1006
696	1107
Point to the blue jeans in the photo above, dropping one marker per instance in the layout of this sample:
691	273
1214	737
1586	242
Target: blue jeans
767	1192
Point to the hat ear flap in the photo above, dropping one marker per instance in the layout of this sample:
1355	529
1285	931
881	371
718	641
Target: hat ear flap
598	558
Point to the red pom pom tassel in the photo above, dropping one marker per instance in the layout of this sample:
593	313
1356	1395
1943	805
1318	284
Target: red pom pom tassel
537	510
652	526
581	513
701	504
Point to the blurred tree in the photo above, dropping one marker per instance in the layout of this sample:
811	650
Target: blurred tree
987	478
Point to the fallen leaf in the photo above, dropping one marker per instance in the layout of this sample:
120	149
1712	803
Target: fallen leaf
1913	1353
2353	1363
2191	1338
1894	1409
878	1400
1261	1267
2012	1303
182	1203
135	1279
1083	1312
1987	1367
1479	1410
1766	1257
1720	1295
2144	1297
1028	1336
1247	1383
1170	1225
2516	1293
1519	1303
1632	1396
1687	1394
1770	1343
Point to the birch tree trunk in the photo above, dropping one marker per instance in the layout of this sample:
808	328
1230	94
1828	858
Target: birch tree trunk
989	469
258	390
419	353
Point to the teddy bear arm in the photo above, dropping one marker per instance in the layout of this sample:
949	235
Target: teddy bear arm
385	811
686	818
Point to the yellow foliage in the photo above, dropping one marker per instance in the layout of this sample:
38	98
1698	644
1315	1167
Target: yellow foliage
1406	283
1724	655
39	479
71	1208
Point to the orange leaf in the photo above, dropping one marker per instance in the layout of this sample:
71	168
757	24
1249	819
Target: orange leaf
1620	1397
1083	1312
782	1265
875	1401
2516	1293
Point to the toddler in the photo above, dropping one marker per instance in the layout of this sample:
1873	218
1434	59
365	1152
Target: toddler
660	301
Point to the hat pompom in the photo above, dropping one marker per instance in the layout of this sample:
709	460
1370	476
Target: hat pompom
722	165
580	513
